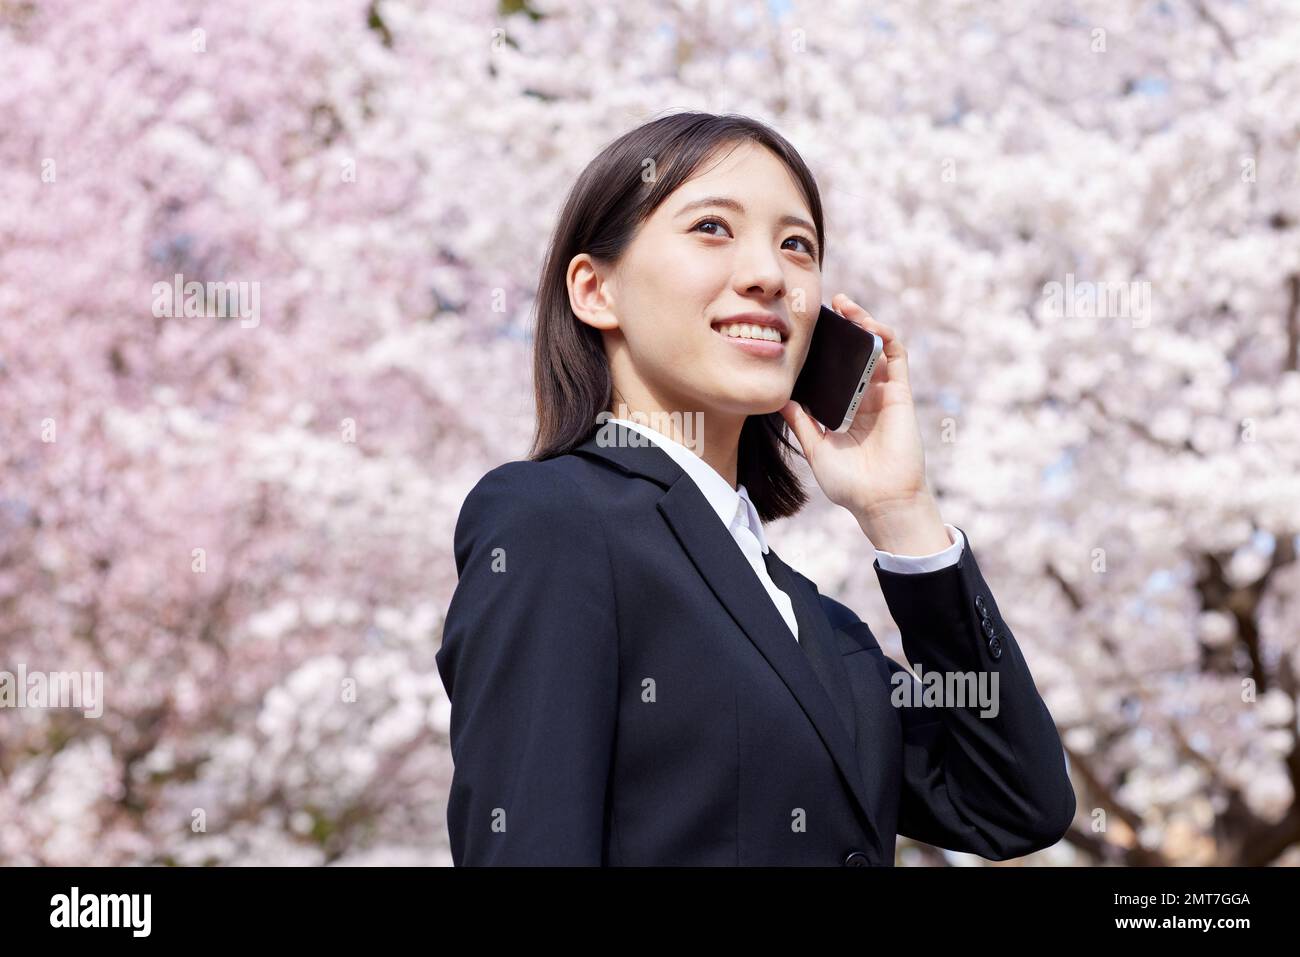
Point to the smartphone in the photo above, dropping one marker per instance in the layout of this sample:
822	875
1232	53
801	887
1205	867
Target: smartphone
835	373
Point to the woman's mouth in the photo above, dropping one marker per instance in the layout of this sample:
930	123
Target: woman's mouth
764	341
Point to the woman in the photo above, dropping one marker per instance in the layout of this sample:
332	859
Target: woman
636	678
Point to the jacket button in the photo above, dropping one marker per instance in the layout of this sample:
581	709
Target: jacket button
995	647
990	629
981	607
856	859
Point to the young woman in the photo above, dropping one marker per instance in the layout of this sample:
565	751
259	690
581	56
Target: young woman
636	678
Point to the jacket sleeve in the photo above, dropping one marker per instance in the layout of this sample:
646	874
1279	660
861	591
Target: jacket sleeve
987	781
529	659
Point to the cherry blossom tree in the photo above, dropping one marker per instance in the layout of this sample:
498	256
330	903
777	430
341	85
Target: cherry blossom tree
1082	217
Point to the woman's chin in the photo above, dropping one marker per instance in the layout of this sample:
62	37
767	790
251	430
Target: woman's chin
759	402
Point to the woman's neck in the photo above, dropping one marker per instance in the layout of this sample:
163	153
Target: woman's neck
714	438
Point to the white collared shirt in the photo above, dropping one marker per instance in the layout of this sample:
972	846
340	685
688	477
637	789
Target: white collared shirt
736	512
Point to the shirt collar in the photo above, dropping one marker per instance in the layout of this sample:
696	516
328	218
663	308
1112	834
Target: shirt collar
733	505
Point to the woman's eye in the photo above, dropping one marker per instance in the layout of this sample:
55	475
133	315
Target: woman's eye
809	248
710	222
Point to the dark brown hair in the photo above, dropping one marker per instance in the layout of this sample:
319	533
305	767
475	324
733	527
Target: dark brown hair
571	378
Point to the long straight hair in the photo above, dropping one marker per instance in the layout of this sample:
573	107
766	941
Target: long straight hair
572	383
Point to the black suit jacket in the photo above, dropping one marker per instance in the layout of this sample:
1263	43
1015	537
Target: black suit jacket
624	692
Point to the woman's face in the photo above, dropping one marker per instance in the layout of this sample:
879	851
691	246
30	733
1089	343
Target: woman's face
737	239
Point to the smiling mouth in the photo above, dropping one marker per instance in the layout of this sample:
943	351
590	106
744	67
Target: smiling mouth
748	331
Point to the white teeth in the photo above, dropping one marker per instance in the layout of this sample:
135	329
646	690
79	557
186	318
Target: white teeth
748	330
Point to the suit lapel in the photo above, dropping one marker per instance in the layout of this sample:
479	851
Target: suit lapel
827	659
817	642
813	676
